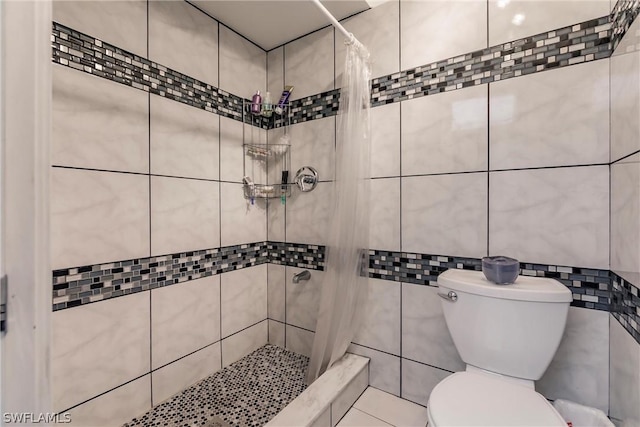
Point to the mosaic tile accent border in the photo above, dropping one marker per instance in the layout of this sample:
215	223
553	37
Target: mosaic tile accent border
622	16
297	255
625	305
591	288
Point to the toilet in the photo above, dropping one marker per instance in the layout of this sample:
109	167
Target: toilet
507	336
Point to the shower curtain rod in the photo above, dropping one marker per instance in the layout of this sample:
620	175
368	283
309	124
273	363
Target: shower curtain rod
350	37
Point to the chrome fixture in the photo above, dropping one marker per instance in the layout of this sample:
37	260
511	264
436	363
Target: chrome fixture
306	178
449	296
303	275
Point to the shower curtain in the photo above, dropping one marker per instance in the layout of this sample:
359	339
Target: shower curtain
347	253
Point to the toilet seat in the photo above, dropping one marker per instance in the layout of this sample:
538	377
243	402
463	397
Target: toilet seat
474	399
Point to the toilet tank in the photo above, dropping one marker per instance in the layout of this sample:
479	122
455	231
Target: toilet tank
511	330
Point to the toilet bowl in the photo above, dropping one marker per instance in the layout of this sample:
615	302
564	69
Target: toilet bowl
507	336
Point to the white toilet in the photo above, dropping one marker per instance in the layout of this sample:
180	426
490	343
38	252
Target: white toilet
507	336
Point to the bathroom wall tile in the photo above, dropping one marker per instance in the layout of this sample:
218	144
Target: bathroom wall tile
184	318
357	418
243	65
276	220
380	317
385	140
554	118
378	30
241	221
184	140
313	144
309	215
461	28
243	298
625	104
384	369
98	217
349	395
384	218
299	340
515	19
445	133
418	380
239	345
631	40
115	407
324	419
275	72
425	336
276	279
184	215
303	298
308	64
391	409
173	25
625	217
179	375
454	202
558	212
625	375
112	335
579	370
276	333
122	23
98	124
231	151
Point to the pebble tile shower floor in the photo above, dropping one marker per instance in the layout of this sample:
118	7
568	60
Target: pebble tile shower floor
248	392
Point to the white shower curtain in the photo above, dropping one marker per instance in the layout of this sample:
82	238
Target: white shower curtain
347	255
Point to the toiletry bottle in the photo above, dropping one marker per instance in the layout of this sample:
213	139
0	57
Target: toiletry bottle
267	105
284	100
256	103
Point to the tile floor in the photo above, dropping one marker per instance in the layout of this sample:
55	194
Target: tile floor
377	408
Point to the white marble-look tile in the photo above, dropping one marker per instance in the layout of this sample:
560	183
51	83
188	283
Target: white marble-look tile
384	217
276	333
556	118
299	340
625	105
276	219
356	418
579	370
461	27
115	407
323	420
392	409
239	345
538	16
559	213
243	65
308	64
385	140
97	347
425	336
184	140
445	133
625	375
275	72
348	396
184	215
173	25
384	369
303	298
98	217
184	318
631	40
418	380
122	23
243	298
625	217
98	124
309	215
276	282
445	214
378	30
380	317
179	375
241	221
313	144
231	151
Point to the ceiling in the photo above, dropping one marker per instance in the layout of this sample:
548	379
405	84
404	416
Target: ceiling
270	23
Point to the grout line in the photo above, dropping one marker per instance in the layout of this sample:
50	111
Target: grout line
150	213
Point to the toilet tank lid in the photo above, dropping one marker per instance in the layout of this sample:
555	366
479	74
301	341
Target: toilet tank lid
526	288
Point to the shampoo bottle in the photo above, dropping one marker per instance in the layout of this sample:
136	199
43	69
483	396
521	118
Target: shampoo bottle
256	103
267	105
